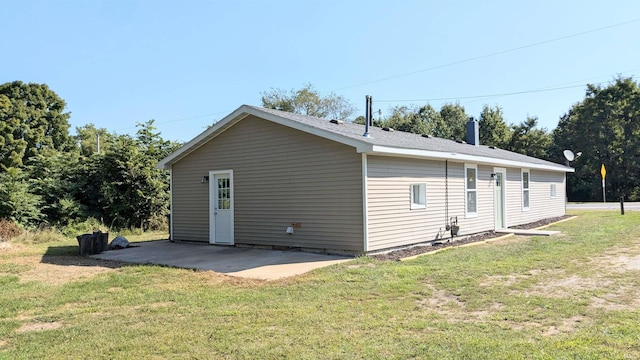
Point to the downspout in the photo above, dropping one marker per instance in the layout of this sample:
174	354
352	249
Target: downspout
365	205
171	204
446	195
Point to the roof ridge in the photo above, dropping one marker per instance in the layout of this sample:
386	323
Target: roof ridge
396	143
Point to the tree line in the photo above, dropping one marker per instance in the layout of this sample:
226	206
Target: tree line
48	176
604	128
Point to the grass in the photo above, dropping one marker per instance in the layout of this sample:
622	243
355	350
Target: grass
569	297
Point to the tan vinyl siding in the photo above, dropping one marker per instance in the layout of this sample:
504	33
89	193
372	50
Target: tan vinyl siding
541	205
393	223
281	176
190	203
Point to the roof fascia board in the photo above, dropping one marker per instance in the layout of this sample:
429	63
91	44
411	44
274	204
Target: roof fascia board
359	145
237	115
392	151
241	113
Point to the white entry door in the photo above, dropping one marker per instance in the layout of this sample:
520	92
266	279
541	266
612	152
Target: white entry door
221	207
499	200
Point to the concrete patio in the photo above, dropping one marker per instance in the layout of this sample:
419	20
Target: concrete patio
234	261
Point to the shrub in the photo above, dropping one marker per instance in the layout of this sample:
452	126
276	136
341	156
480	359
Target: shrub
86	227
131	231
158	223
41	236
9	230
17	200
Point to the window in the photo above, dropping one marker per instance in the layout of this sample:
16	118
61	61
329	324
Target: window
418	196
525	189
471	187
224	193
553	191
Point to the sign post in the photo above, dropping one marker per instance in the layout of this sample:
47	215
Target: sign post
603	172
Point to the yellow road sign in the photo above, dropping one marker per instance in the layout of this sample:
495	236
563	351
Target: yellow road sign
603	172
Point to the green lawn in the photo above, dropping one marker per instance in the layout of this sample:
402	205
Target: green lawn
575	296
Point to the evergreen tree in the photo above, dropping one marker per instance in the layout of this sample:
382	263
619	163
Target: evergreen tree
494	131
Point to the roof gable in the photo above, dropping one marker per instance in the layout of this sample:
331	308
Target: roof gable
381	142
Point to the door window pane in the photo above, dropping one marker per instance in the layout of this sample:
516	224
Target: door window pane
471	202
471	178
224	194
525	189
471	181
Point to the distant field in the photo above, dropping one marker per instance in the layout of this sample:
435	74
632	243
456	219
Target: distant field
573	296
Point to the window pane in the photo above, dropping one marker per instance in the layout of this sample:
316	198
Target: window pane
525	180
525	198
471	178
419	194
553	190
224	193
471	202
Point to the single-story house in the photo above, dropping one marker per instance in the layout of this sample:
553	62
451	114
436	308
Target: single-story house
273	179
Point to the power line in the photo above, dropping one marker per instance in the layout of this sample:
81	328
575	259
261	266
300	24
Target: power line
582	81
544	89
488	95
491	54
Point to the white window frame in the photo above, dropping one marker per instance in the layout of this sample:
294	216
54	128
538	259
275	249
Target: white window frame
422	193
553	191
469	214
527	190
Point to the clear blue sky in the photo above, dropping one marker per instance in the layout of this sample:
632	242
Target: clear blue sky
188	63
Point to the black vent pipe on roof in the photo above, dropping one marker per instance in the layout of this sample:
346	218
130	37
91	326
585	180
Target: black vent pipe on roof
367	116
370	110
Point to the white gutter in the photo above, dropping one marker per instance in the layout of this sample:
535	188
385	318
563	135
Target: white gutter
428	154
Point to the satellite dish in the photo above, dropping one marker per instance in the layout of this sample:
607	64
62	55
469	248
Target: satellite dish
568	154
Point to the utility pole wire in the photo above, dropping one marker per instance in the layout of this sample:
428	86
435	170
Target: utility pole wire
490	55
488	95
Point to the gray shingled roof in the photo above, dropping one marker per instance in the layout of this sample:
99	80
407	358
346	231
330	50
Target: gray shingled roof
404	140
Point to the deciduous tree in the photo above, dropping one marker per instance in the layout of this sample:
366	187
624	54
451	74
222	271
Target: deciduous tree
605	128
308	101
133	191
452	123
32	121
528	139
